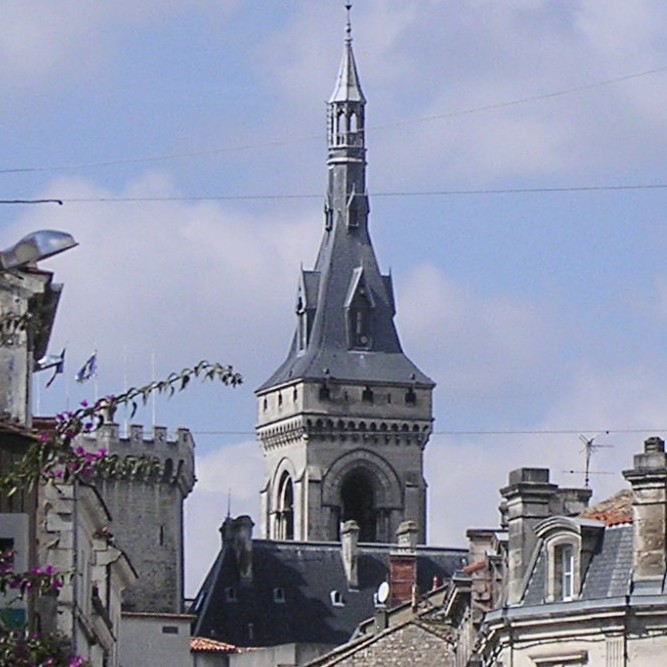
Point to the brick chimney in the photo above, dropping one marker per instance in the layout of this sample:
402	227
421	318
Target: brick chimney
526	502
403	564
349	540
649	511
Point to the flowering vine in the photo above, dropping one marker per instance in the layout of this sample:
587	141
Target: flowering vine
56	457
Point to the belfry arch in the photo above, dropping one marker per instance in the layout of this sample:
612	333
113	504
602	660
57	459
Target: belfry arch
361	485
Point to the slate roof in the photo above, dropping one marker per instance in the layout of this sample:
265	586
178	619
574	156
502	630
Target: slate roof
305	573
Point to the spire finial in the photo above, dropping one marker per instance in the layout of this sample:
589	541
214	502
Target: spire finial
348	24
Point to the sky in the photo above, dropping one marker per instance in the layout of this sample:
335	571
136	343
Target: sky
187	141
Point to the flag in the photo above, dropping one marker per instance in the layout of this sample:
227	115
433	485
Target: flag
88	370
55	361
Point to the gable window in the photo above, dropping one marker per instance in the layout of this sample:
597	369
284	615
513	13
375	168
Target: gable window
279	595
230	594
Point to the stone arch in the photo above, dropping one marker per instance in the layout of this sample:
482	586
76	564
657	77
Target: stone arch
361	485
283	501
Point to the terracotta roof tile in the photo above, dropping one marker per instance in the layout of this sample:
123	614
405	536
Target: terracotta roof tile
205	645
613	511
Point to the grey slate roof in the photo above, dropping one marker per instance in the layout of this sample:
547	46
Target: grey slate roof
306	572
346	257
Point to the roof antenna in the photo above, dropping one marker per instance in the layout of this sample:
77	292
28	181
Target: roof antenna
229	502
590	447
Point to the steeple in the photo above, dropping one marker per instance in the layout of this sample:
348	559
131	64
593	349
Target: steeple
346	390
345	306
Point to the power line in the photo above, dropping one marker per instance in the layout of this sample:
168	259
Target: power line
425	193
493	432
273	144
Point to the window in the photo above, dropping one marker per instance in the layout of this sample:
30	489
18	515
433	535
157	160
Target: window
285	513
410	397
367	395
169	630
230	594
564	555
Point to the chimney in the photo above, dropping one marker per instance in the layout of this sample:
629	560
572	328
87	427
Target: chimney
349	540
570	502
403	564
648	479
526	502
237	536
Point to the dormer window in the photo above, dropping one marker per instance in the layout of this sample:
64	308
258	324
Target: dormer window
279	595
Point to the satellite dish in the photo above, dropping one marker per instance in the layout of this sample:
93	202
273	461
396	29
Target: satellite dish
383	592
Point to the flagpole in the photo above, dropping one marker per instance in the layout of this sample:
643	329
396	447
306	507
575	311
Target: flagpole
126	425
153	393
96	385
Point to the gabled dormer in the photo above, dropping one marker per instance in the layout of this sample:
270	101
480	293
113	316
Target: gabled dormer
567	545
359	306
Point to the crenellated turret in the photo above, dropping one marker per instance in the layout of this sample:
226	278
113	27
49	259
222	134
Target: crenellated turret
147	511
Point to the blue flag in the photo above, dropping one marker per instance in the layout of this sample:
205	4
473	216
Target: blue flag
55	361
88	370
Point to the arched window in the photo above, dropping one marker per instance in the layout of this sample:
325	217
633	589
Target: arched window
285	513
358	504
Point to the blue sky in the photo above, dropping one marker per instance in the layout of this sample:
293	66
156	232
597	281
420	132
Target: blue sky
533	311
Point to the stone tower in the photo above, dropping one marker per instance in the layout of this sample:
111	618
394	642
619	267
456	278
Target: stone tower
344	420
147	512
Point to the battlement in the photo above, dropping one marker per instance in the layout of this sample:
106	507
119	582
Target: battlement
175	454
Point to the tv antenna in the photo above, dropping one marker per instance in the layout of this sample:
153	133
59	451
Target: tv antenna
590	447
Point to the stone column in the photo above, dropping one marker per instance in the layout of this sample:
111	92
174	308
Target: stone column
648	478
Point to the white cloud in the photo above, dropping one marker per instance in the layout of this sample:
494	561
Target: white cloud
233	476
189	281
465	473
43	42
476	344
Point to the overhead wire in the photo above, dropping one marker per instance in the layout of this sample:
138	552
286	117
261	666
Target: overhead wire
425	193
272	144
